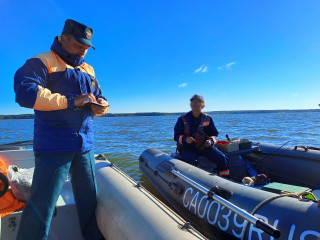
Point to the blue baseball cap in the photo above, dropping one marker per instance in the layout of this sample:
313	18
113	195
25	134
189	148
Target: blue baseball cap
198	97
82	33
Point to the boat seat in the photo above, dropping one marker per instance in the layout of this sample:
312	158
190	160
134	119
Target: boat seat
202	162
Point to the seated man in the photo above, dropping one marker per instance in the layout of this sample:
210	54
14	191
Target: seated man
195	134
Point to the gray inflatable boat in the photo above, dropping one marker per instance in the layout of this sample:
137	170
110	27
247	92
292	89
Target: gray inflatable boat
289	202
125	209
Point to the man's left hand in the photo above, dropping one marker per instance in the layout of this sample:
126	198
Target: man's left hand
207	144
97	110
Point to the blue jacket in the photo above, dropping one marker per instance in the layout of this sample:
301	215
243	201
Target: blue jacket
180	135
48	83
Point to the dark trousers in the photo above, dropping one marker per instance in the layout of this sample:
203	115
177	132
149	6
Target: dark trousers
51	170
191	153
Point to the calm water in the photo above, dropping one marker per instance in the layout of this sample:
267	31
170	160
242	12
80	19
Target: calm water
123	139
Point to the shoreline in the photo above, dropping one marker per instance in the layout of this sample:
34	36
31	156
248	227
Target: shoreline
142	114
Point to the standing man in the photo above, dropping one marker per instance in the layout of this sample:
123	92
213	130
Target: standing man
58	85
195	134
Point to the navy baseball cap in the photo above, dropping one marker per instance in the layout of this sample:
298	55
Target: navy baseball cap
198	97
82	33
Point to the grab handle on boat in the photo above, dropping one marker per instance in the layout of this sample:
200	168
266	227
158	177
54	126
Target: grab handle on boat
267	228
303	147
168	167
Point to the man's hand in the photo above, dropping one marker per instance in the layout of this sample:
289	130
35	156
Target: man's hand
80	100
97	110
190	140
214	139
207	144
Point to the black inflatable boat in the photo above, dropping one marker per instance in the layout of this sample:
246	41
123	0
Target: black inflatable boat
289	202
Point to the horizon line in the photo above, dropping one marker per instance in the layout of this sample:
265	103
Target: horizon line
300	109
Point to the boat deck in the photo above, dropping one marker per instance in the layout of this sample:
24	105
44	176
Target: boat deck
64	225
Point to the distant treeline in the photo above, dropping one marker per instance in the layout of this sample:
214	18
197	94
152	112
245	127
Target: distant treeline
21	116
31	116
138	114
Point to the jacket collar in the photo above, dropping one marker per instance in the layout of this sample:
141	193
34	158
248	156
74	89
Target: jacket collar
189	115
71	59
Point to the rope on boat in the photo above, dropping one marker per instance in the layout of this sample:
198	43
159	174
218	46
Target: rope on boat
295	195
260	160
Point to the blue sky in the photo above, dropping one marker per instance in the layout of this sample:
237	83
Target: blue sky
154	55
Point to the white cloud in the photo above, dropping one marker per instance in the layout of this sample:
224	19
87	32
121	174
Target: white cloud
198	69
295	94
227	66
182	85
230	64
202	69
205	69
